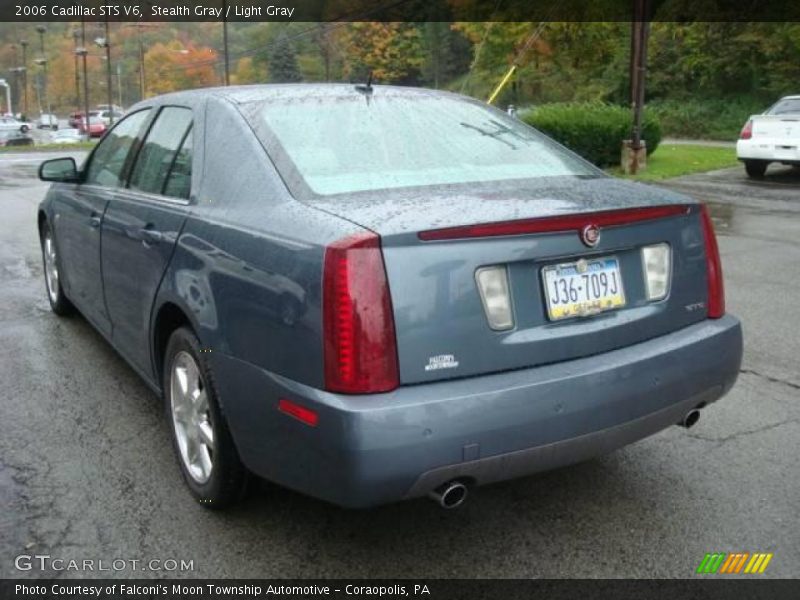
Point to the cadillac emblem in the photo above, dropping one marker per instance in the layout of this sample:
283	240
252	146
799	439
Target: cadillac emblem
590	235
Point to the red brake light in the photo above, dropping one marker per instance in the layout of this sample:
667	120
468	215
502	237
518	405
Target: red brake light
747	131
575	222
716	289
359	337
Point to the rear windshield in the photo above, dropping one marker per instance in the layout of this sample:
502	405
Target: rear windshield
345	144
789	106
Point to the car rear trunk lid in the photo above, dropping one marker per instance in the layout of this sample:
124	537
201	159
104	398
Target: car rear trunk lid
440	319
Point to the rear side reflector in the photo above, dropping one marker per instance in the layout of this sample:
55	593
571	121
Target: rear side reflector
360	347
716	289
576	222
301	413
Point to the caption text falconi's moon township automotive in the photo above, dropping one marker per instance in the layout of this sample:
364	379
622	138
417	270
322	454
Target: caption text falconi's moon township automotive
246	590
240	11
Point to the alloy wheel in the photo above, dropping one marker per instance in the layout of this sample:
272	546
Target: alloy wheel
191	417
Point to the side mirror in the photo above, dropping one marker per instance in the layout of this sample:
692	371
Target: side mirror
62	170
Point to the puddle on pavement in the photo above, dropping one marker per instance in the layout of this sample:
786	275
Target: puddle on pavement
723	217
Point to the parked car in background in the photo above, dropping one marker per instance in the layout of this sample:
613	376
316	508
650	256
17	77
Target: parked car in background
106	115
771	137
114	107
68	136
472	301
75	119
97	127
14	137
13	124
47	121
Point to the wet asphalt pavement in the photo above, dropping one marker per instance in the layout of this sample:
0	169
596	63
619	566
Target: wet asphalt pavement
87	471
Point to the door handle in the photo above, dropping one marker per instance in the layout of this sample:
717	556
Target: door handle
151	236
94	221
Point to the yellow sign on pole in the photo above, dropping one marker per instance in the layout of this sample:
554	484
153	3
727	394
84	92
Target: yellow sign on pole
502	84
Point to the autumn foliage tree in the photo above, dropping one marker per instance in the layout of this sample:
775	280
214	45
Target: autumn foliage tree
392	51
175	66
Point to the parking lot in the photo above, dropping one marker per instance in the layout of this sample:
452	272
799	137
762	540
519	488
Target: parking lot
87	471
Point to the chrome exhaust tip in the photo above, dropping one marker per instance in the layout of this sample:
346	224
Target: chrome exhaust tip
692	417
449	495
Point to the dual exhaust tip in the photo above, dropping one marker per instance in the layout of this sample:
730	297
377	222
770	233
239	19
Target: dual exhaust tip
690	418
449	495
453	493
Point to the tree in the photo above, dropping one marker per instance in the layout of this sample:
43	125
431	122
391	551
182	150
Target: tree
391	51
283	62
246	72
174	66
446	52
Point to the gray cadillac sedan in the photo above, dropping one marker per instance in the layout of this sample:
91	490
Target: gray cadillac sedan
371	293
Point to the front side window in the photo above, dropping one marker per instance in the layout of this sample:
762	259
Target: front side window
160	151
107	164
351	143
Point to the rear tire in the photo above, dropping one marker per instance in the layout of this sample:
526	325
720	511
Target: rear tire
51	261
203	443
755	168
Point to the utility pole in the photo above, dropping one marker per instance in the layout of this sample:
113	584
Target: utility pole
83	52
43	62
225	41
16	71
24	45
142	83
108	76
634	152
119	84
75	35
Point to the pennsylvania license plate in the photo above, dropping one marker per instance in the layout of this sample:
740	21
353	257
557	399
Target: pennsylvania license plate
583	288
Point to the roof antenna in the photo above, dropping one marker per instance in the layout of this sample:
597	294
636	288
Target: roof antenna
367	89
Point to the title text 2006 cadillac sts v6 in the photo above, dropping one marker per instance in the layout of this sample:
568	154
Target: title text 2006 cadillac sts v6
370	293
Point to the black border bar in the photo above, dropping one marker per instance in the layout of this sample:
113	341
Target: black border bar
397	10
705	587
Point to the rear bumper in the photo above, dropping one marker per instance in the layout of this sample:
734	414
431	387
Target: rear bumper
772	150
368	450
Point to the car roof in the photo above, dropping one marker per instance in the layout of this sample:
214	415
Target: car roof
245	94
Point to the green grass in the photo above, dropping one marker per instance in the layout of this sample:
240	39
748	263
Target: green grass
47	148
674	160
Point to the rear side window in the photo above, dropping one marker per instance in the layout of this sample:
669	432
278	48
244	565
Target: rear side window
160	152
180	177
110	157
787	106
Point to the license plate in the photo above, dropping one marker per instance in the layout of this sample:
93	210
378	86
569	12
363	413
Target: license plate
583	288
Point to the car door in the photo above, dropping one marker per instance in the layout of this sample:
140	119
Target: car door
141	227
78	214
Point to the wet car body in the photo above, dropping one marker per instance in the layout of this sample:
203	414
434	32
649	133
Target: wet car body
454	400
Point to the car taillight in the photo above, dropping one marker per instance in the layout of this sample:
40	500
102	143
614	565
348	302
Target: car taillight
358	323
716	290
747	131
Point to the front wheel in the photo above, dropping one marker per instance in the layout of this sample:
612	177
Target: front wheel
755	168
52	274
206	453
